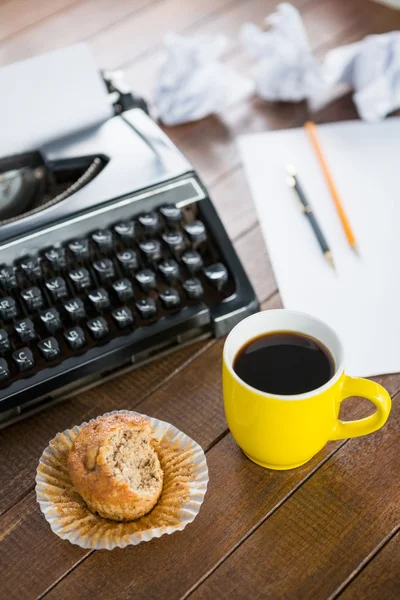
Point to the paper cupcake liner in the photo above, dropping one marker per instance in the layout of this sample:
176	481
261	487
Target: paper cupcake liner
185	484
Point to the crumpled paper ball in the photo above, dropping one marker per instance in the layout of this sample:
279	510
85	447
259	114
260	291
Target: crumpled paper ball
192	83
287	69
372	69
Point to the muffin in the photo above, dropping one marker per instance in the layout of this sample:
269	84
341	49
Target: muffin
114	467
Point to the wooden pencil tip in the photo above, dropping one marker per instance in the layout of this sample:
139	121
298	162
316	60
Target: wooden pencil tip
329	258
355	249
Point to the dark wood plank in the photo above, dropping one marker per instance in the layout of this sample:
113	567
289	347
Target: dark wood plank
84	18
324	531
380	578
240	496
141	34
15	15
117	32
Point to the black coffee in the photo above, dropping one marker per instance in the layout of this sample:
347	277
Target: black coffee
284	363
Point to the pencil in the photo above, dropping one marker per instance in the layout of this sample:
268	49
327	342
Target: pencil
293	181
311	130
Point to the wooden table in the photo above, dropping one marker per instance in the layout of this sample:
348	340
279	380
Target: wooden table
329	529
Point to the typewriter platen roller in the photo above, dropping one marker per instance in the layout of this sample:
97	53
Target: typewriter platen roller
111	253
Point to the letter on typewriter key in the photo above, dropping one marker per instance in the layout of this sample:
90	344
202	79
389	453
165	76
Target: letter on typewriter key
128	260
192	260
104	268
193	288
126	231
75	308
151	249
150	222
31	267
51	319
57	287
32	297
80	278
25	330
146	279
8	279
4	341
56	257
169	269
217	275
99	298
171	213
146	307
75	337
80	249
170	298
123	288
174	240
103	239
23	359
196	231
4	370
49	348
8	308
98	328
122	316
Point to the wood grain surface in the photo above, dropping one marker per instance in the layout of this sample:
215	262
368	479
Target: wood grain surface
326	530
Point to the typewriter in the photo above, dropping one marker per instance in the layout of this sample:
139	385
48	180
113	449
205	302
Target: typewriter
111	254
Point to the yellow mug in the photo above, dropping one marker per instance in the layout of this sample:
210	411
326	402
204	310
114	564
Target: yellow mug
284	432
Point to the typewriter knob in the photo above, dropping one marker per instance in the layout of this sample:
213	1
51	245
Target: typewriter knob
171	213
169	269
23	359
192	260
146	307
193	288
103	239
79	249
32	297
75	337
146	279
8	279
49	348
174	240
104	268
128	259
170	298
56	257
151	249
98	328
126	231
196	232
31	267
122	317
217	275
150	222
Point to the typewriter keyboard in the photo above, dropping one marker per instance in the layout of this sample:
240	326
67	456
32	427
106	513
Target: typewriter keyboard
68	299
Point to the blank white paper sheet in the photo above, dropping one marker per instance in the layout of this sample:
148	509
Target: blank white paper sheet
361	300
48	97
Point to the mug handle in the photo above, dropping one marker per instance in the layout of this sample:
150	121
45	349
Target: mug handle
371	391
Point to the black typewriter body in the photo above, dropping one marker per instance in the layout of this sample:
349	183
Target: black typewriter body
124	260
